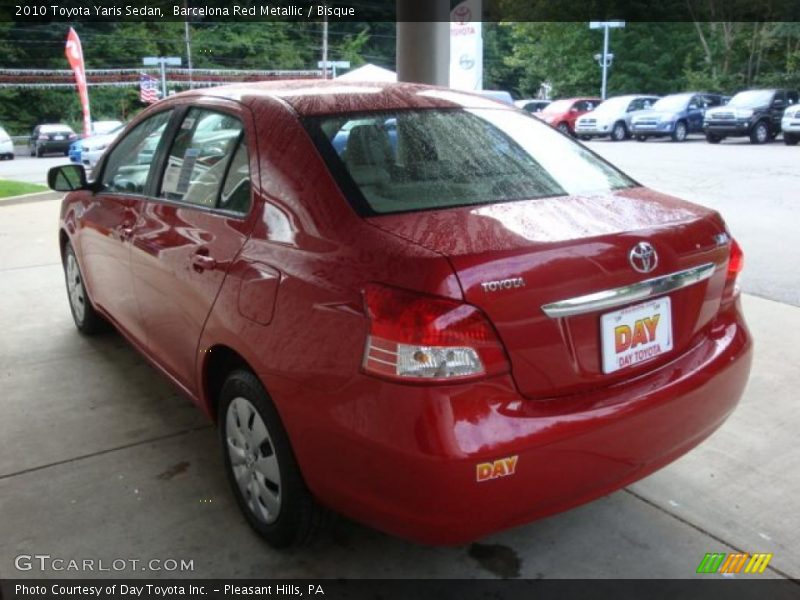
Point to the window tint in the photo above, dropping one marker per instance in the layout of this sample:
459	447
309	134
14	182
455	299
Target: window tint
439	158
639	104
236	190
199	157
128	165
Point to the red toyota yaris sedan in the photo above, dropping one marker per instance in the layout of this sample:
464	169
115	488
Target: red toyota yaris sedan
420	308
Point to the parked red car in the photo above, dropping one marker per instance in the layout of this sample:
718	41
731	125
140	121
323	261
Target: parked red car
476	325
562	114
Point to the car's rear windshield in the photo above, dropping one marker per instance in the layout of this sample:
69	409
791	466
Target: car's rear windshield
422	159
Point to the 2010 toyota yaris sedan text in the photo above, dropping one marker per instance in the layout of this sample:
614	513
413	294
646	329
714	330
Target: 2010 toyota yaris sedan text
452	321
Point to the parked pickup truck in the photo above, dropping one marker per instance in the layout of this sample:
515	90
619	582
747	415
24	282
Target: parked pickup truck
753	113
676	116
790	124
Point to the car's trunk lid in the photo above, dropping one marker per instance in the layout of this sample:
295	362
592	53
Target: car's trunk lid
514	258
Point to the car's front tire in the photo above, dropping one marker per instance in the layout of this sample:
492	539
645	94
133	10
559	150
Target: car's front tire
261	467
680	132
790	139
619	132
564	128
86	318
713	139
760	133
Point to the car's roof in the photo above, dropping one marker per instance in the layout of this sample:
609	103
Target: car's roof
317	97
577	99
633	96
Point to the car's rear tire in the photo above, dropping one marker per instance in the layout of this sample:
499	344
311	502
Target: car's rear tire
39	152
86	318
713	139
641	138
564	128
790	140
680	132
759	134
261	468
619	132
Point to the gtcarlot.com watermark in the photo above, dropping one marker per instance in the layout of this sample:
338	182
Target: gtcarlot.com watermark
56	564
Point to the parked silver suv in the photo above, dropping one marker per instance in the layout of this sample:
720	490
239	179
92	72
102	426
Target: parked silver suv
613	117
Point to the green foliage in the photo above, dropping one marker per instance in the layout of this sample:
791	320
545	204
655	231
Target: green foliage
519	57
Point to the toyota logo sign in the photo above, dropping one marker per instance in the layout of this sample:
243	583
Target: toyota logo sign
643	257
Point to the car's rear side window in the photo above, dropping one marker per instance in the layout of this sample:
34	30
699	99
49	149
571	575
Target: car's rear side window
198	160
419	159
235	194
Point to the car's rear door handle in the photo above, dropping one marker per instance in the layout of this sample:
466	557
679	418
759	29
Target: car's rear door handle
202	262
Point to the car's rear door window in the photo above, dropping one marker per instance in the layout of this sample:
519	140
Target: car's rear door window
198	160
128	165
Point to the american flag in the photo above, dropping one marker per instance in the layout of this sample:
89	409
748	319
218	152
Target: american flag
148	88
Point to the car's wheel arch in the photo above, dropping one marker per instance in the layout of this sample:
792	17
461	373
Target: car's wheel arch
63	239
219	361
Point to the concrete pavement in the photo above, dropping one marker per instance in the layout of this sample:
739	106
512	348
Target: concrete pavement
102	459
754	187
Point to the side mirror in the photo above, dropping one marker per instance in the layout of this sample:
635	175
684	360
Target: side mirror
67	178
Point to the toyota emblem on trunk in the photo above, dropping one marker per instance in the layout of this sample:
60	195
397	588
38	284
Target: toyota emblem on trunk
643	257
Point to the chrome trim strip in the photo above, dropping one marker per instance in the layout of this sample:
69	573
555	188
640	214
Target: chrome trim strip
629	293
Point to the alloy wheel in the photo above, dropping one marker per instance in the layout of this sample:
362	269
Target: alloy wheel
761	133
680	132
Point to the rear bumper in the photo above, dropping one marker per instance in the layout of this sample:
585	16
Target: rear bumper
404	459
52	146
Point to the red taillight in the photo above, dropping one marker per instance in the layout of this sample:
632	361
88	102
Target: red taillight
417	337
735	266
73	136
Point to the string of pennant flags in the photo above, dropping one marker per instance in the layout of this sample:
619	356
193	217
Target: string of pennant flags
63	78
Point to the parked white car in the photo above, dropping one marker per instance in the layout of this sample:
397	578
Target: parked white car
94	146
6	145
613	117
790	125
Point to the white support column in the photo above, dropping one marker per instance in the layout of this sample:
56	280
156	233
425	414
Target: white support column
423	41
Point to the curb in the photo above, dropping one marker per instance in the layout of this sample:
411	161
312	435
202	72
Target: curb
32	197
